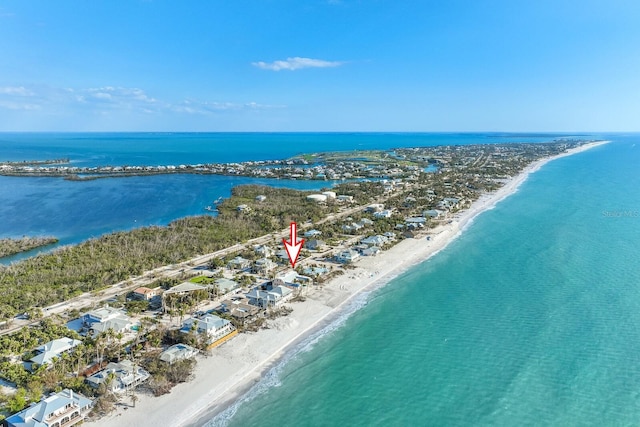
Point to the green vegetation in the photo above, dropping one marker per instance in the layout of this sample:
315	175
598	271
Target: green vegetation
98	263
15	246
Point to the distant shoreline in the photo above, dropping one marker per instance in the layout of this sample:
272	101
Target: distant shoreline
223	378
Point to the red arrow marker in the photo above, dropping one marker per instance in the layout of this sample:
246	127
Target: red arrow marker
293	248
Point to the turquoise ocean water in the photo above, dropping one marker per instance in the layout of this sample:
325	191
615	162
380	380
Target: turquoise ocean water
530	317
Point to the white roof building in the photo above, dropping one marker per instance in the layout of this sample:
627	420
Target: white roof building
178	352
125	375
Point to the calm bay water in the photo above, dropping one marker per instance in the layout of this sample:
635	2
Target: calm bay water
531	317
76	211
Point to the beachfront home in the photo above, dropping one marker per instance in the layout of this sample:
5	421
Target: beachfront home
53	349
274	297
125	376
372	251
239	308
215	329
263	266
178	352
106	318
347	257
243	208
63	409
377	240
433	213
314	271
261	198
344	198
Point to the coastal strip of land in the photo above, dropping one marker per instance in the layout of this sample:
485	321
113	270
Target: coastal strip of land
233	368
10	247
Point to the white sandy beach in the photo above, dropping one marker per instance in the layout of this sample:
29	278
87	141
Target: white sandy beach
239	363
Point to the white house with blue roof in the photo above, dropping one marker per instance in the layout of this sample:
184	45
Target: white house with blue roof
63	409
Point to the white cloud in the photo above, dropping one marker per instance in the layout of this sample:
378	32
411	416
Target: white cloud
296	63
108	99
15	90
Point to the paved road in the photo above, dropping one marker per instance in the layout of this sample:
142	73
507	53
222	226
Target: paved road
90	298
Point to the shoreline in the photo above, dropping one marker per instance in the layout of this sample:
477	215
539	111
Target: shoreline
221	379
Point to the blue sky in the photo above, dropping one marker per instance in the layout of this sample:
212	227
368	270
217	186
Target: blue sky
319	65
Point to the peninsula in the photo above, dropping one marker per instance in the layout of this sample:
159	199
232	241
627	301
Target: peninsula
147	302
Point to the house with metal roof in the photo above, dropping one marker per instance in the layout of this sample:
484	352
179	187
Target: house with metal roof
213	327
63	409
178	352
105	318
53	349
125	376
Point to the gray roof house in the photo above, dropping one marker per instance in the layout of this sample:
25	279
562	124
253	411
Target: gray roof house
347	257
105	318
47	352
226	285
263	266
214	327
278	295
178	352
125	375
63	409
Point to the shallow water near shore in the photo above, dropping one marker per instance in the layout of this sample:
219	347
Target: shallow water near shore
530	317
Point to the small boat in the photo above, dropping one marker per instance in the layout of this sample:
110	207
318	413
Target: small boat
218	201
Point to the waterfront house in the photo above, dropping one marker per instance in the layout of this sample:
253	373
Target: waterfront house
274	297
433	213
347	257
125	376
63	409
105	318
243	208
215	329
371	251
53	349
261	198
263	266
178	352
314	271
377	240
239	308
